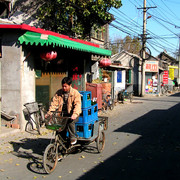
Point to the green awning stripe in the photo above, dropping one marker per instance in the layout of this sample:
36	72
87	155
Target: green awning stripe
33	38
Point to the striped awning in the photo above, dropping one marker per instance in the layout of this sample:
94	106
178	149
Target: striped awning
34	38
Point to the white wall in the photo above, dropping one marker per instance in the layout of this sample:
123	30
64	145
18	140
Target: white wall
95	70
27	83
17	77
119	86
10	74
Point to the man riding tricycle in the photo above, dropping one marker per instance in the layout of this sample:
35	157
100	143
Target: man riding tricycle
72	128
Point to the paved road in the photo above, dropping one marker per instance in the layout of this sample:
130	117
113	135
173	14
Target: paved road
142	142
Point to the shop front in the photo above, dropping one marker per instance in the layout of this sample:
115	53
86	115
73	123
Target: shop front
73	60
27	76
151	77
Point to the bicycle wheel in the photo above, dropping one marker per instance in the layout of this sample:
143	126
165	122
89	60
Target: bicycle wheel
42	115
162	90
111	107
50	158
29	126
36	116
100	141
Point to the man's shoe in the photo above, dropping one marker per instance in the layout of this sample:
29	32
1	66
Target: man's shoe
73	141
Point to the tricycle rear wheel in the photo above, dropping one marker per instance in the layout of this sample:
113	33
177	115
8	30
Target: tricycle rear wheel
100	141
50	158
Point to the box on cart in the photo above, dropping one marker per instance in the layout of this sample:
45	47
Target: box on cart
88	114
85	99
85	130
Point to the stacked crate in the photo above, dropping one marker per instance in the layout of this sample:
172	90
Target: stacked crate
84	127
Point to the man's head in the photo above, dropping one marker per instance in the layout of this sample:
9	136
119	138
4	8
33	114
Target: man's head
66	84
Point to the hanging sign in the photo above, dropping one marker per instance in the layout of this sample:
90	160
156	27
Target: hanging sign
171	73
165	77
151	66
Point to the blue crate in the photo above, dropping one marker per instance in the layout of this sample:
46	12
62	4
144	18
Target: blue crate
85	130
85	99
94	110
88	114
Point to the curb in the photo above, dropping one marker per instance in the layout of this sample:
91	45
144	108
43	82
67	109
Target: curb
8	131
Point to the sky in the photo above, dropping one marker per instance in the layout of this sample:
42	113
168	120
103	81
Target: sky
163	24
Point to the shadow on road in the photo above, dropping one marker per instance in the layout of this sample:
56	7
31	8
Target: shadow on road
176	94
31	149
155	155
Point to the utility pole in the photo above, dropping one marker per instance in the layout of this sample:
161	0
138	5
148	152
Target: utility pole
144	51
179	63
144	48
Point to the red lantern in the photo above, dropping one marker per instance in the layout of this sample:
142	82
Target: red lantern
105	62
48	56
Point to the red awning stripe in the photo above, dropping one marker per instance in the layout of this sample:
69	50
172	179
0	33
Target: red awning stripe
42	31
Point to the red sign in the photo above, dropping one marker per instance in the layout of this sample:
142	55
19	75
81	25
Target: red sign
151	66
165	77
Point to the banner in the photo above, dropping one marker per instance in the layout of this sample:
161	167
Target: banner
165	77
151	66
171	73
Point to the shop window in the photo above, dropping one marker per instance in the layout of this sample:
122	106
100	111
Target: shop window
128	76
97	34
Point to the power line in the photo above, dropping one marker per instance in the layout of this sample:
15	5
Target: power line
134	26
166	27
128	27
137	25
124	31
129	20
160	11
170	10
163	20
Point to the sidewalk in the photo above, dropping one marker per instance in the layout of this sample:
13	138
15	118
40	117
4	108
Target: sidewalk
5	131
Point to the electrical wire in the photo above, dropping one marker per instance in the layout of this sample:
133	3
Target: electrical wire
158	40
170	10
163	20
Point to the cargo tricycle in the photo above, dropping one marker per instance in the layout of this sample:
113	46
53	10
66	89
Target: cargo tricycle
60	147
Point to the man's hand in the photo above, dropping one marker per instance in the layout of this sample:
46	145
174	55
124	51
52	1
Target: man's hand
74	116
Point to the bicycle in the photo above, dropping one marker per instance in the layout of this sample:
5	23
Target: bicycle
164	89
124	94
60	147
34	114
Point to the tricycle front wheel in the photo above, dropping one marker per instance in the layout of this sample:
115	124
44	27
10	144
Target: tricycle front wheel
50	158
100	141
